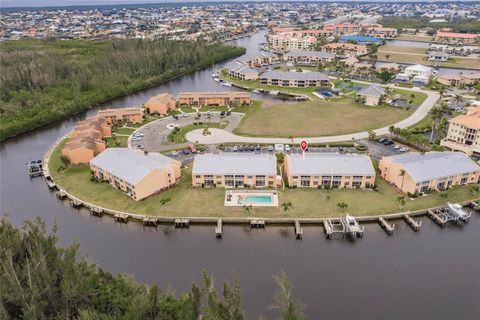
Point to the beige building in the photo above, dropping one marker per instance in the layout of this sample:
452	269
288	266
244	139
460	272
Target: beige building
235	170
345	50
458	38
464	133
372	95
137	173
382	33
294	79
215	98
289	42
86	140
161	103
122	115
413	172
308	57
241	71
329	170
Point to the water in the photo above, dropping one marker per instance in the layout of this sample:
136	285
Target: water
431	274
258	199
406	43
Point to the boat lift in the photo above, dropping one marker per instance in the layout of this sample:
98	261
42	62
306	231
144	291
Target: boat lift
458	210
347	226
452	212
35	168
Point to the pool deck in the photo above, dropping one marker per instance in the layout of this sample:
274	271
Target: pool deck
236	198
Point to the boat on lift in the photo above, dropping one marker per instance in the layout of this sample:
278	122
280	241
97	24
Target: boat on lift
460	212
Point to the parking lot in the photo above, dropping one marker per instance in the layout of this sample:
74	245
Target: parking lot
261	149
377	150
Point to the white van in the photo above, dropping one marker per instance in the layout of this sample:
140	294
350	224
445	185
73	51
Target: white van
279	147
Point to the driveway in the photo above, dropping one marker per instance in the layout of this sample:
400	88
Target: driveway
222	136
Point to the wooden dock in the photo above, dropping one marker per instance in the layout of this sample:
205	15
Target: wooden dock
61	194
96	211
475	205
121	217
257	223
298	230
150	221
412	222
386	226
182	223
50	183
76	203
219	229
437	218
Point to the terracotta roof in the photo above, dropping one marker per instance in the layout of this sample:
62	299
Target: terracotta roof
457	35
471	121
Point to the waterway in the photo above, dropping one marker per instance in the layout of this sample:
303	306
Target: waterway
431	274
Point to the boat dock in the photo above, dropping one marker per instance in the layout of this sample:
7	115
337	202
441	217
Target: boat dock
61	194
257	224
452	213
182	223
150	221
346	227
96	211
50	183
412	222
219	229
386	226
475	205
121	217
35	168
298	230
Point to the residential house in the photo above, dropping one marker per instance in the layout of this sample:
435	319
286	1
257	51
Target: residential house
438	56
345	50
458	38
371	95
308	57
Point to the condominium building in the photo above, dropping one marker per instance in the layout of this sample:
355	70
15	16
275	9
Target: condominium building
289	42
258	59
235	170
345	50
161	103
464	132
459	38
139	174
343	28
308	57
380	32
413	172
86	140
215	98
122	115
329	170
294	79
241	71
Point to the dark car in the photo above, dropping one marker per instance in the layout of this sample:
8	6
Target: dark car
175	117
186	151
229	113
252	148
382	140
222	113
387	142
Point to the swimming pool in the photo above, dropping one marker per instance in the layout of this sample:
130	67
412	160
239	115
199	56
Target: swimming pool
258	199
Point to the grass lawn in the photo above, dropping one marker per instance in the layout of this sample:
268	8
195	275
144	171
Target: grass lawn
316	118
116	142
402	49
179	136
188	201
121	130
418	97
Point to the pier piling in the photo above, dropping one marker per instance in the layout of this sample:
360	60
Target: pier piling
257	224
298	230
412	223
386	226
182	223
219	229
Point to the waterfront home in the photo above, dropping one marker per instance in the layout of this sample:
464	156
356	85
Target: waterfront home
464	132
241	71
122	115
161	103
371	95
235	170
438	56
329	170
137	173
308	57
86	140
413	172
294	79
460	38
419	70
227	98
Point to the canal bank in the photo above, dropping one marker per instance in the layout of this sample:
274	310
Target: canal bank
422	271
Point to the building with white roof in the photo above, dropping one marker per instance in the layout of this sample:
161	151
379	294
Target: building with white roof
413	172
294	79
329	170
137	173
371	95
308	57
235	170
419	70
241	71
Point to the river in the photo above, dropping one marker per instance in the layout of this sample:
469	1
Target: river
434	273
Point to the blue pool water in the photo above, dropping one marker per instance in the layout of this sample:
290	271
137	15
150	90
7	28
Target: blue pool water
258	199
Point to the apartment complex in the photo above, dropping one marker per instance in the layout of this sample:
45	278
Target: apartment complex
215	98
308	57
235	170
464	132
411	172
343	28
329	170
161	103
258	59
86	140
345	50
122	115
241	71
294	79
289	42
458	38
460	79
380	32
137	173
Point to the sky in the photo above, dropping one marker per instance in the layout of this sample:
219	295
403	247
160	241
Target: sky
46	3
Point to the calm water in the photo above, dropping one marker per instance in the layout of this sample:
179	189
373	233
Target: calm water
431	274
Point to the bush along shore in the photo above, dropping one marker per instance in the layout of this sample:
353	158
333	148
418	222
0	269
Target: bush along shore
46	81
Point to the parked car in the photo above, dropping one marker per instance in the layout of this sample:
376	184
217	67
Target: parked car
252	148
404	149
287	148
185	151
184	115
397	147
229	113
174	153
270	148
240	148
235	148
258	148
382	140
139	146
175	117
279	147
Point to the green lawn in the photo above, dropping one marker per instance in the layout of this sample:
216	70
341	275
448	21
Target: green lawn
179	136
116	142
188	201
316	118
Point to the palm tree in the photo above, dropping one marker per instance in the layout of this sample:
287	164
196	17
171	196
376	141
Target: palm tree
286	206
402	174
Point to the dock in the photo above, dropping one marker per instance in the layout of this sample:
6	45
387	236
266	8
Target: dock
475	205
121	217
298	230
352	227
76	203
50	183
441	221
257	223
61	194
35	168
412	222
386	226
182	223
219	229
150	221
96	211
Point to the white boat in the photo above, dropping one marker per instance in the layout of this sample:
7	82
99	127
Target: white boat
226	84
214	75
458	209
255	91
273	93
216	79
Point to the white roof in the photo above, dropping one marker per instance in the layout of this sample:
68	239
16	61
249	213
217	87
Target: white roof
299	76
418	67
435	165
372	91
130	165
330	164
311	54
235	163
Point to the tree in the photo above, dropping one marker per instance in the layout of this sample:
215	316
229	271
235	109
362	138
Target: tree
228	306
387	56
372	135
342	206
402	174
286	206
391	130
248	208
285	303
401	201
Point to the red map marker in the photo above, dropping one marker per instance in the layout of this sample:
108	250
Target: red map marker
304	145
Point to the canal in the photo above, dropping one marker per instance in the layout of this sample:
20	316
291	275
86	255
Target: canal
431	274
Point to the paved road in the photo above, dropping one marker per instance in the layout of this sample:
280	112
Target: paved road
222	136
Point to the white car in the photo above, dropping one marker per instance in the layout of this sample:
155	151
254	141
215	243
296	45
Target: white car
287	148
404	149
171	126
135	139
279	147
184	115
397	147
174	153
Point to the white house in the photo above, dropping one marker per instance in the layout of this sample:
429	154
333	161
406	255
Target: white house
438	56
419	70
